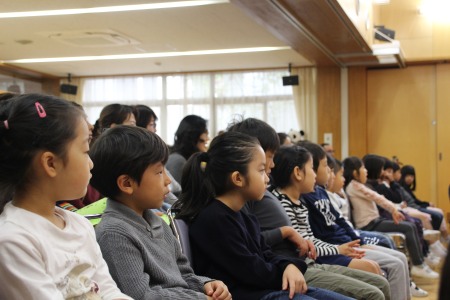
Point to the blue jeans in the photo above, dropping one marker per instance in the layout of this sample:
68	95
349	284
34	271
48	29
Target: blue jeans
312	293
376	238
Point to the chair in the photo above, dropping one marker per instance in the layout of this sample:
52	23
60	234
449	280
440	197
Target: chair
181	231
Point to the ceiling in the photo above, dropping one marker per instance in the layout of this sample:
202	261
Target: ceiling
218	26
312	32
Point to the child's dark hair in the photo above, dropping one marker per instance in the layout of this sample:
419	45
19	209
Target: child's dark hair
316	151
374	165
337	165
286	159
31	124
282	136
408	170
266	135
330	161
207	174
350	165
388	164
124	150
188	134
395	166
143	115
111	114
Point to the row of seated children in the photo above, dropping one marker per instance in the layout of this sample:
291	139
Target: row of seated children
61	161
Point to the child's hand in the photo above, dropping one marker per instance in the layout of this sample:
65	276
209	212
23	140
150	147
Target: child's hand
294	280
349	250
305	247
397	216
217	290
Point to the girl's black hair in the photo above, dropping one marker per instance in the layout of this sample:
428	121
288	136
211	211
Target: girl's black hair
111	114
374	165
32	123
388	164
188	134
143	115
124	150
207	175
266	135
408	170
286	159
316	151
351	164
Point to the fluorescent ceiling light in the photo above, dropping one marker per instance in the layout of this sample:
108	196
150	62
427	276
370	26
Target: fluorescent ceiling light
435	9
144	55
105	9
381	2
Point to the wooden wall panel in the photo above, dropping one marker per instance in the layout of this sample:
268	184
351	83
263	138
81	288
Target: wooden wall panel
400	120
443	135
329	106
357	111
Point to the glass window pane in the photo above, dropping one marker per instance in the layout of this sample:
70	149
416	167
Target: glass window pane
281	115
227	113
198	87
175	87
174	116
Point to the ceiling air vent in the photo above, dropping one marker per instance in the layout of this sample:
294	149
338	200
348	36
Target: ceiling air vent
92	38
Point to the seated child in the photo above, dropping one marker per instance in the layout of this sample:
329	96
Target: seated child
47	252
142	253
226	242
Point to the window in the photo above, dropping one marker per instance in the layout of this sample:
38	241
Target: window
218	97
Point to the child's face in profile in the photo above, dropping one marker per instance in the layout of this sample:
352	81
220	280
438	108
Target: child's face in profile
309	178
152	189
361	175
397	175
323	172
338	181
256	179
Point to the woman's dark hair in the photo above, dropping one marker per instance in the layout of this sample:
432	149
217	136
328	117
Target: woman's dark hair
124	150
408	170
266	135
374	165
351	164
207	175
31	124
143	115
111	114
188	134
286	159
316	151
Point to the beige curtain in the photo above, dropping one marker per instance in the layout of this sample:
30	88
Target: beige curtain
305	99
78	98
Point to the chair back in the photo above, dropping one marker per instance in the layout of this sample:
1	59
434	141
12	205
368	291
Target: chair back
181	231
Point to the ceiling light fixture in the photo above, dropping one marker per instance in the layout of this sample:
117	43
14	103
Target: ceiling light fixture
143	55
435	9
105	9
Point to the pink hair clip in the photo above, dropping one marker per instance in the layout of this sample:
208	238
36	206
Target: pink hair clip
40	110
6	124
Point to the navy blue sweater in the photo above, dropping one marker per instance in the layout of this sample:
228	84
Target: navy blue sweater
325	221
228	246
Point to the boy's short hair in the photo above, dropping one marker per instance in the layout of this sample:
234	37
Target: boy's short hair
317	152
266	135
124	150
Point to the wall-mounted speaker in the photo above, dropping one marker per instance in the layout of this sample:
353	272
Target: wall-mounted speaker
68	89
290	80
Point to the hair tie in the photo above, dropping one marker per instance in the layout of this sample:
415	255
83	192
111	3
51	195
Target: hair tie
40	110
6	124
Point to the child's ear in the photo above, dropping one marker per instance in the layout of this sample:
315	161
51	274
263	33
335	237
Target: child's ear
297	173
50	163
355	174
125	184
237	179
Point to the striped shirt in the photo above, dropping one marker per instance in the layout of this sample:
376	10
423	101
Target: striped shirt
299	219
